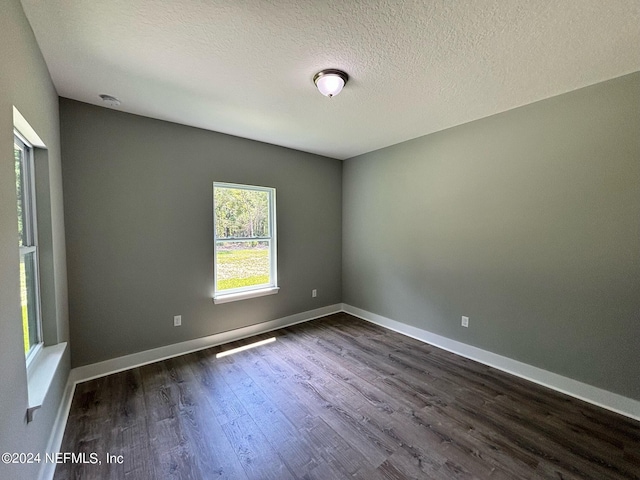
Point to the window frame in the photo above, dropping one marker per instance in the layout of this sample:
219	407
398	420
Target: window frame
31	237
241	293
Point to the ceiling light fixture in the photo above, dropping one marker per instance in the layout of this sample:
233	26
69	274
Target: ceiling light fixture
110	100
330	81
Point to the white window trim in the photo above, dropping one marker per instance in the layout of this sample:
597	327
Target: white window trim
40	375
234	297
33	353
42	362
253	291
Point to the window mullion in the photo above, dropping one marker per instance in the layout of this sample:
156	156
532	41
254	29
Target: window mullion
242	239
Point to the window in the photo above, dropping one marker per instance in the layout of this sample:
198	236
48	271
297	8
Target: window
28	244
244	222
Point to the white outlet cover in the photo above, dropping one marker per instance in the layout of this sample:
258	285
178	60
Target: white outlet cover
465	321
177	320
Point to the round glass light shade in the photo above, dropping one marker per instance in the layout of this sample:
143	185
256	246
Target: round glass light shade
330	82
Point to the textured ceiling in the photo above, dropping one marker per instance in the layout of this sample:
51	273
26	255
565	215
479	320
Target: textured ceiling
245	67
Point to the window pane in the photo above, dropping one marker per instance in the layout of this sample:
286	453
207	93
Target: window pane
28	292
242	264
20	190
30	315
241	213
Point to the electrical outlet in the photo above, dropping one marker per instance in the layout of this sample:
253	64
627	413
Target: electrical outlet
465	322
177	320
314	293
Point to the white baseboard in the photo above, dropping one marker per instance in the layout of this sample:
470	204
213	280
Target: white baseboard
597	396
114	365
57	432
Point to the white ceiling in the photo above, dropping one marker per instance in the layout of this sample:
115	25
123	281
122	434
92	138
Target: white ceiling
245	67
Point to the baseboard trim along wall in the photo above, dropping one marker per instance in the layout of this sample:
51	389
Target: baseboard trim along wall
582	391
47	470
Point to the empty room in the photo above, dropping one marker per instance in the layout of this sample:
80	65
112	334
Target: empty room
318	239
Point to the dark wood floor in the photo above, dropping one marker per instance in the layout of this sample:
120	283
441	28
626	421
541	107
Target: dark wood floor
339	398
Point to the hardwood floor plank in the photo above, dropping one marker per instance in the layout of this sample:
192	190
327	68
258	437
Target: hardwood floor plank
256	455
305	393
336	450
294	450
225	407
402	466
324	471
344	403
213	454
135	446
173	457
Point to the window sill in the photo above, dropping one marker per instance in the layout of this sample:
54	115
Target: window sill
40	375
234	297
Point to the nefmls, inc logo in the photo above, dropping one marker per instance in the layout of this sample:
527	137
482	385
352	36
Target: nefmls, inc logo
70	457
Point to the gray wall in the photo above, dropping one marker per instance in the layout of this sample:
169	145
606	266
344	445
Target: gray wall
527	221
25	83
138	203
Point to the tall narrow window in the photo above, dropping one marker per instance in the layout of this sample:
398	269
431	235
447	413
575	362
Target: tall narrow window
245	241
28	244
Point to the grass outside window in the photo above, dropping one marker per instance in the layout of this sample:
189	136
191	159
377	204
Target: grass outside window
242	267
